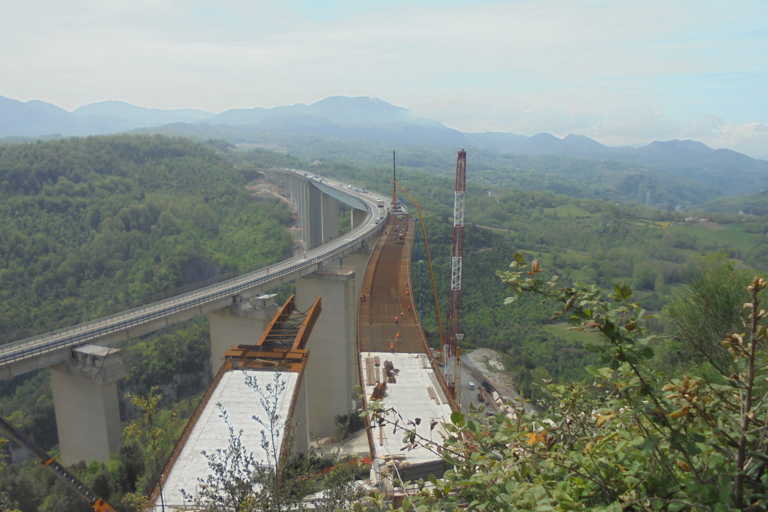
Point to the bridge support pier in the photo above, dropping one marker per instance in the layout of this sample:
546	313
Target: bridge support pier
301	421
312	228
331	372
358	217
239	324
86	403
358	260
330	218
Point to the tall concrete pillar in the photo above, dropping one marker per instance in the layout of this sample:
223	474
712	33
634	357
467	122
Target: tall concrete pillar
301	421
358	217
294	188
313	234
86	403
239	324
304	208
358	260
331	372
330	218
287	186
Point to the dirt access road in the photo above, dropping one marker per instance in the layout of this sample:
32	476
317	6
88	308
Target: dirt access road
487	364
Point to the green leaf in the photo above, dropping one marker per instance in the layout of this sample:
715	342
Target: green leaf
646	353
457	418
519	258
592	370
676	506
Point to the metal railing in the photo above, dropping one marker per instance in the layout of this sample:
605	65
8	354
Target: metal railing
79	334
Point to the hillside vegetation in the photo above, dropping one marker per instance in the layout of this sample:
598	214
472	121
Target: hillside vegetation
97	225
90	226
581	240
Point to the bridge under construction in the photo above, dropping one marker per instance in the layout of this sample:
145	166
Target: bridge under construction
367	338
394	364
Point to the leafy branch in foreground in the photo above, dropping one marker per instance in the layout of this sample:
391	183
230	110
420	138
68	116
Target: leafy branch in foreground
632	438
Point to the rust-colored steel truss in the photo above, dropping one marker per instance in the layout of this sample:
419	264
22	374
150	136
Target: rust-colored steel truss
283	344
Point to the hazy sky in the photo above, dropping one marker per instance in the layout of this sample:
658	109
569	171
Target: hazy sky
622	72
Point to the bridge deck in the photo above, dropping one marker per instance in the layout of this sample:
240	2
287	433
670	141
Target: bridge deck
385	291
415	389
210	432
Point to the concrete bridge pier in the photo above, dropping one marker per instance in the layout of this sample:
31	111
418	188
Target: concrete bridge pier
358	217
240	324
86	403
331	372
313	234
330	218
301	421
287	182
358	260
318	213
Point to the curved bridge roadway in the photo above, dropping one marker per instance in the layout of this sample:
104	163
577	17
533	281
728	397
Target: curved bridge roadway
45	350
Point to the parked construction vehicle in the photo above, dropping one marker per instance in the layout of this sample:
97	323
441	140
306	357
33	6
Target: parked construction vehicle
98	504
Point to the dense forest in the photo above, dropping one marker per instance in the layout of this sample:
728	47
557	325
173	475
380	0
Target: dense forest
99	224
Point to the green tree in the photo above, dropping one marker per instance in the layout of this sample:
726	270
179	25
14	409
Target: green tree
150	434
708	309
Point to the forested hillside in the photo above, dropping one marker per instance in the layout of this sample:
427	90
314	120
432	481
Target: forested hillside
589	240
90	226
667	175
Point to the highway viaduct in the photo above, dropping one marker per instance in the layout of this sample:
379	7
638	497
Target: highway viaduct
85	368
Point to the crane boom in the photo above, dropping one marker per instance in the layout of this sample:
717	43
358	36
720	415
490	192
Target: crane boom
432	272
457	251
98	504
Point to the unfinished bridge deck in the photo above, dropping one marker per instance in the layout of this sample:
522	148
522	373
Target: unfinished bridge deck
385	295
413	384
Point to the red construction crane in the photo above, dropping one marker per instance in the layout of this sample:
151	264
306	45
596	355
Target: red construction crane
452	368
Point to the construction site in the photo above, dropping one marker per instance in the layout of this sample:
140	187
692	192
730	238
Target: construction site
394	364
350	336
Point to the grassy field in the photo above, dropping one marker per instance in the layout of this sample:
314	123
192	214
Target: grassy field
569	210
561	330
717	235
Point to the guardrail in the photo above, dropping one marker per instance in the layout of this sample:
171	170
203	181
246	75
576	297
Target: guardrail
82	333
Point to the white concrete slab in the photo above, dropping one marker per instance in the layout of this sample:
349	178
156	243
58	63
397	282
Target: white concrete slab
410	398
241	403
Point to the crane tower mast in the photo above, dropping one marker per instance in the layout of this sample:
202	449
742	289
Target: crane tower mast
452	369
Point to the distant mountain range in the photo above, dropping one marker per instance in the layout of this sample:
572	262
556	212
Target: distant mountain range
376	121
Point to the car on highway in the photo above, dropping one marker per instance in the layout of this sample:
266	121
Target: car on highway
471	385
